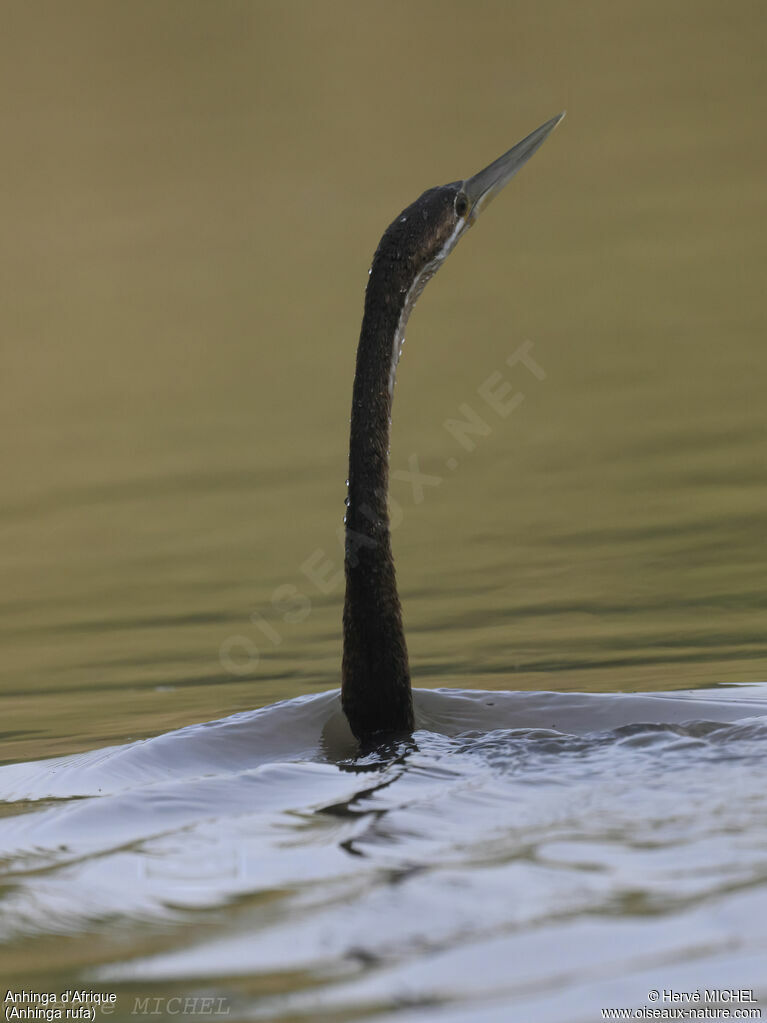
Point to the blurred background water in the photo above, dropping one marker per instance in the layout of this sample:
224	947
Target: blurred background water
192	196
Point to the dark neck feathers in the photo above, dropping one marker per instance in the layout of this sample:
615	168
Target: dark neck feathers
376	677
376	692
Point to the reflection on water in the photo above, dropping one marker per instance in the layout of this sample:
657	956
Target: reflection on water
523	852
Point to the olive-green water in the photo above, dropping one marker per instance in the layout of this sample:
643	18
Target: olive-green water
191	196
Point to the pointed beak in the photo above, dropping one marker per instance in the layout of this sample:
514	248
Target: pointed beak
487	184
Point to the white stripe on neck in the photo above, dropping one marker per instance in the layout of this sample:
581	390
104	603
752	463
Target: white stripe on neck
411	298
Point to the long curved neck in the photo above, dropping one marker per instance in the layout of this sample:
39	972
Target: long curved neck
376	690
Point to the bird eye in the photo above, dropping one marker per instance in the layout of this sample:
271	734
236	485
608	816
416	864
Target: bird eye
461	205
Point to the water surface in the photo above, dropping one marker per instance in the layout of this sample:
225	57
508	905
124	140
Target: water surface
192	196
525	856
